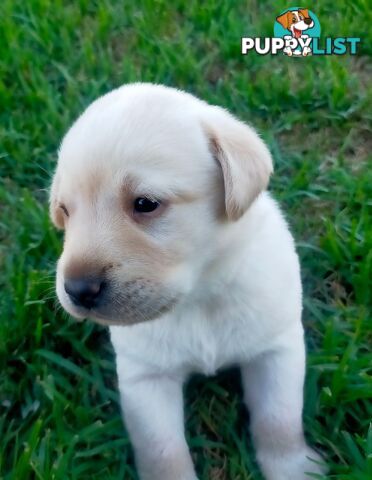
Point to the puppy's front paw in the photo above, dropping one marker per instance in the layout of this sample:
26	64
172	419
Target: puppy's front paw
291	465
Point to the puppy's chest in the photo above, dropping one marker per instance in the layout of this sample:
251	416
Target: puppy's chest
202	339
196	342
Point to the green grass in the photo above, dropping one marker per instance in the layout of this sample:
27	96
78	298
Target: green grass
59	413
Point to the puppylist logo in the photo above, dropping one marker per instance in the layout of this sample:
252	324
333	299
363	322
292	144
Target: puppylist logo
297	34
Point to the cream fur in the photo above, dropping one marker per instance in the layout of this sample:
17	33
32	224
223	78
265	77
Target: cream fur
211	281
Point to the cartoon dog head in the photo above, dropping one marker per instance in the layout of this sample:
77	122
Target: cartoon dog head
296	21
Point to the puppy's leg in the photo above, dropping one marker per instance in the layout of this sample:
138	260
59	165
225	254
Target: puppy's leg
273	388
153	413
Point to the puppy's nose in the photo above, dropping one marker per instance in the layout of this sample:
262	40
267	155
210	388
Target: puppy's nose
84	292
308	21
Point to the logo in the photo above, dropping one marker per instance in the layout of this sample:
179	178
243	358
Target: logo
297	27
297	34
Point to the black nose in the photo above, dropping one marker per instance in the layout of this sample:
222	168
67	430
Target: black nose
308	21
84	292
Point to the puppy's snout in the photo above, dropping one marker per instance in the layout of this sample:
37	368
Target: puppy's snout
84	292
308	21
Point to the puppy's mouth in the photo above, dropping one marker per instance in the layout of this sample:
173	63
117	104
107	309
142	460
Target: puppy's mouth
297	32
107	317
133	302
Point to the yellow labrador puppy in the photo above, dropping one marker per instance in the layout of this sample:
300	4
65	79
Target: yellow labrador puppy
171	241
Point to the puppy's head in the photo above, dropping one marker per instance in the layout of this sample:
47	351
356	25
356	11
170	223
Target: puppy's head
296	21
149	180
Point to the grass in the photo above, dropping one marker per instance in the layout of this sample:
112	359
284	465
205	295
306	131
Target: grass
59	413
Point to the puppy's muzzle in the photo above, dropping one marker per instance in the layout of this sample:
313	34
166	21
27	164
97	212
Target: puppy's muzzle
308	21
84	292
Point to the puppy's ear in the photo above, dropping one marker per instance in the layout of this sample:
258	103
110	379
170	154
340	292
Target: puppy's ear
54	210
244	158
284	20
304	12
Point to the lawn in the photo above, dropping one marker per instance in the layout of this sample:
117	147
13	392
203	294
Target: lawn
59	412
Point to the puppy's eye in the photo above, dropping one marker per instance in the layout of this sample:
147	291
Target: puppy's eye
145	205
64	209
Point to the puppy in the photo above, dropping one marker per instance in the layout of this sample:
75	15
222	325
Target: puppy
171	241
297	22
